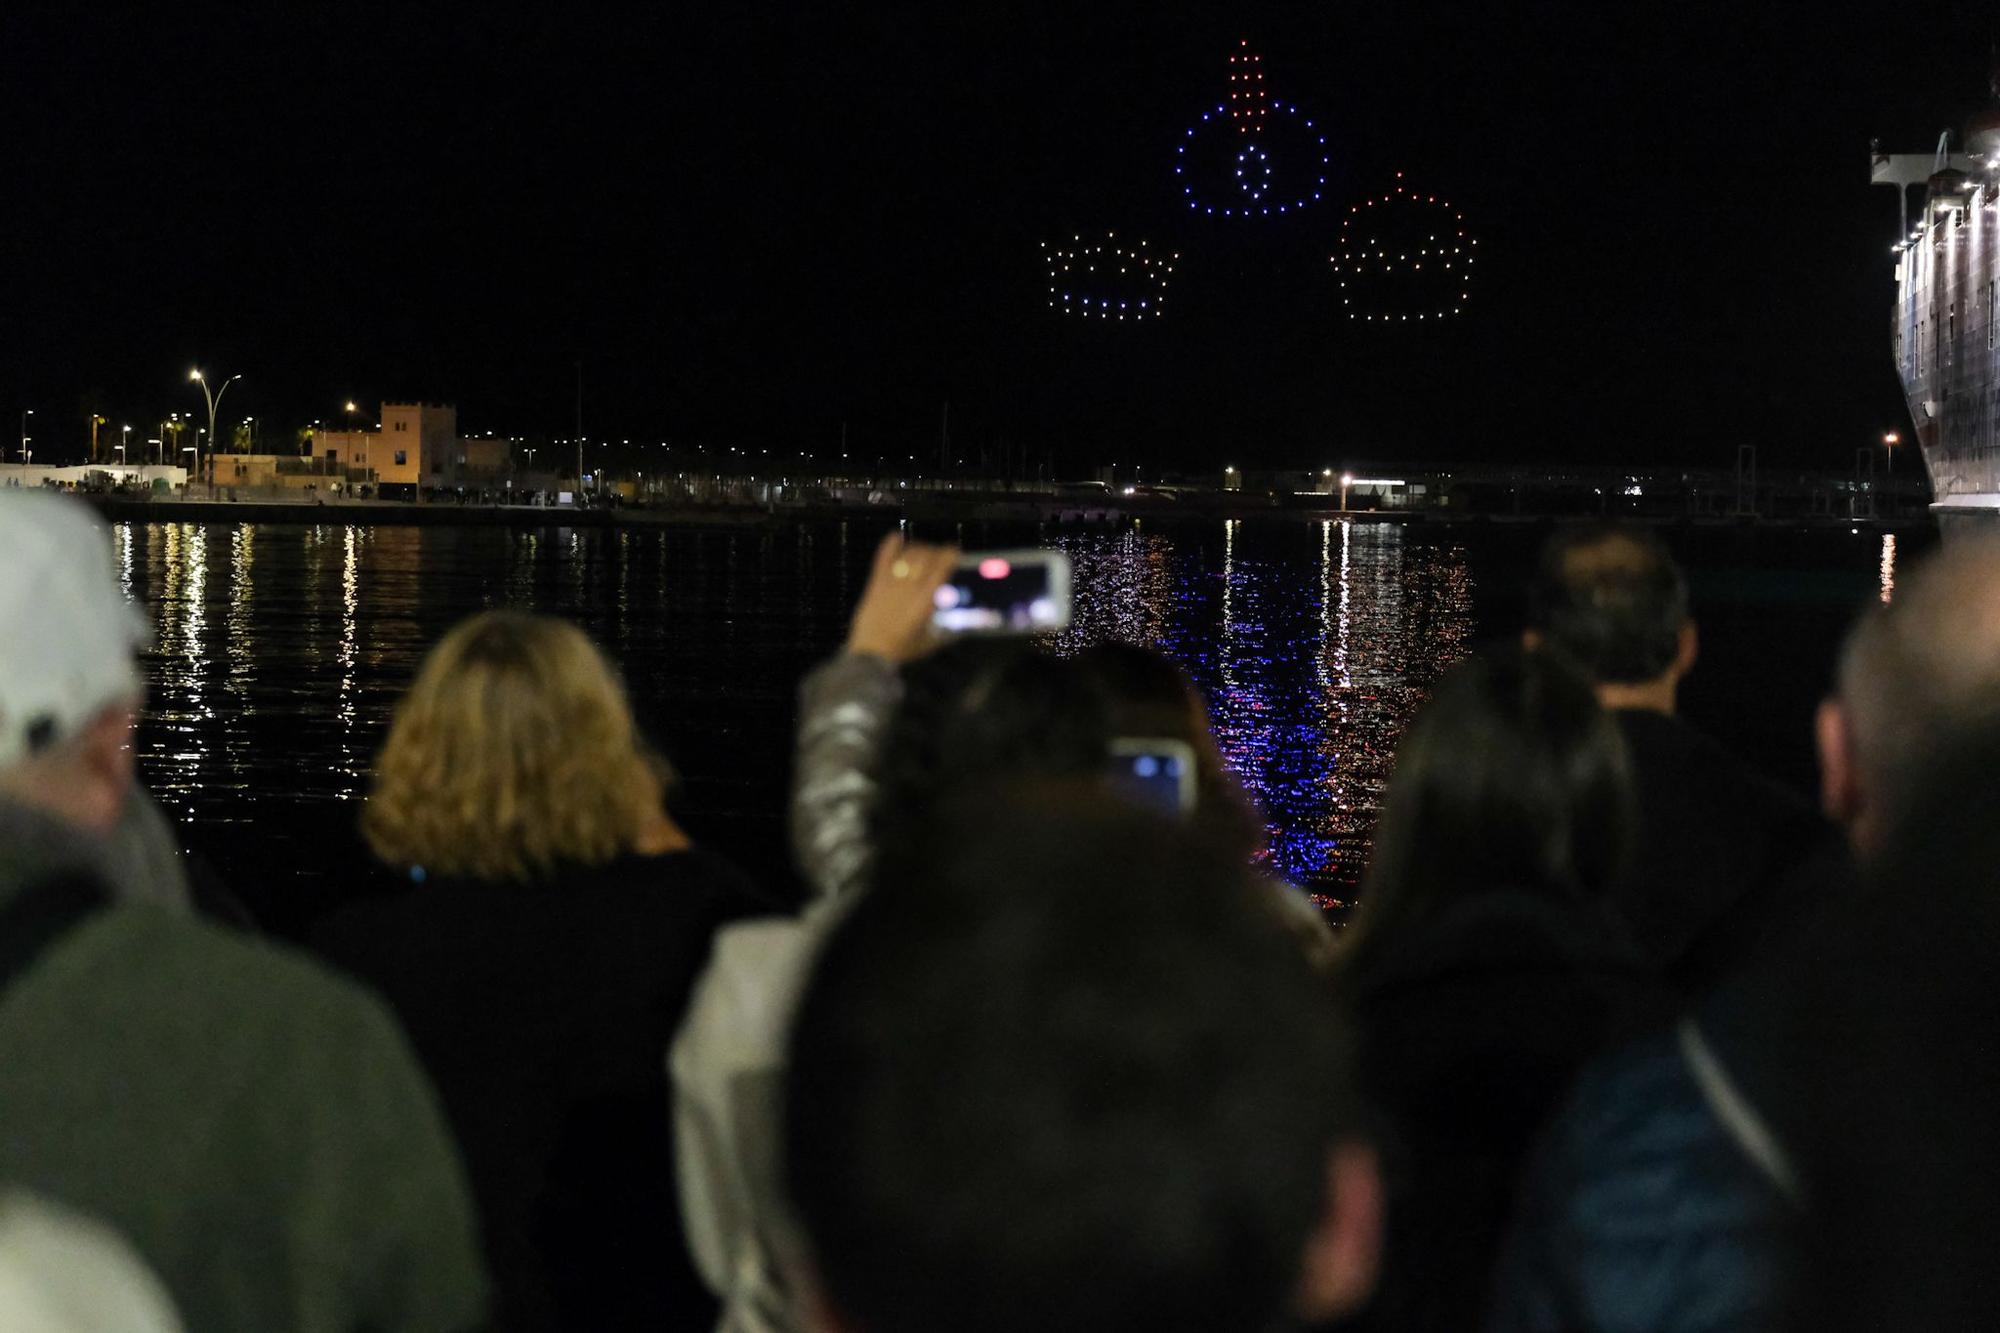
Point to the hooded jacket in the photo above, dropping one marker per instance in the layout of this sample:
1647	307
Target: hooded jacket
252	1124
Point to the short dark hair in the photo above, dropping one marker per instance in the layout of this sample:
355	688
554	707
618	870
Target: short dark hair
978	713
1147	693
1613	598
1075	1074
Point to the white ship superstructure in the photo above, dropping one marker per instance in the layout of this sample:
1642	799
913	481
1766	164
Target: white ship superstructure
1947	322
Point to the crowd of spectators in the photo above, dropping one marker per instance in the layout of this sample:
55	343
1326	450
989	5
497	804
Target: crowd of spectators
1625	1037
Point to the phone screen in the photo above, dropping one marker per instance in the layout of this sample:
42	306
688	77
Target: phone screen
1157	774
1018	592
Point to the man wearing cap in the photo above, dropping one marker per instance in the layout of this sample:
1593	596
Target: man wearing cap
254	1125
66	672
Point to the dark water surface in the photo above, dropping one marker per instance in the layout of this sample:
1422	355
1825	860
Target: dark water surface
282	648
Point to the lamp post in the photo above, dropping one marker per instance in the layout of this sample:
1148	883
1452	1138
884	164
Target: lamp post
25	455
124	438
1346	480
214	397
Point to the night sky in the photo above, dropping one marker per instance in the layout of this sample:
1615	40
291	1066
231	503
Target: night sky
755	223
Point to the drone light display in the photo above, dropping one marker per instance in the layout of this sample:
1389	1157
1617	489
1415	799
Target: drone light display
1404	256
1251	156
1108	280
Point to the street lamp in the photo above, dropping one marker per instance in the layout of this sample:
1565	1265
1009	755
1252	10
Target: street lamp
1346	480
124	438
214	397
25	455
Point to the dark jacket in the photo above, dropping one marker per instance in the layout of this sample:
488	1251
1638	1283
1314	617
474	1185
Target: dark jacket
254	1125
544	1012
1714	883
1663	1198
1472	1027
1642	1213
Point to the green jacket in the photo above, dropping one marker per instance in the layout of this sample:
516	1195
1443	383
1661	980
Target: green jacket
253	1124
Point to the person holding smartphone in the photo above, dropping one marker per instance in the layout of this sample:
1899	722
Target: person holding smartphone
726	1063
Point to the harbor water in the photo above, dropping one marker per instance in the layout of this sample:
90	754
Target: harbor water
280	650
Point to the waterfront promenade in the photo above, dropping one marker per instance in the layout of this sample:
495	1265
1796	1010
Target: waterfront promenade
1458	496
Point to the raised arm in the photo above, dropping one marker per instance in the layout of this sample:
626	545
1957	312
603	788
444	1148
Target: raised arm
845	706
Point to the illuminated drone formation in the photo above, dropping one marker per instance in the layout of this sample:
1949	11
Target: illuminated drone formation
1251	156
1108	280
1404	256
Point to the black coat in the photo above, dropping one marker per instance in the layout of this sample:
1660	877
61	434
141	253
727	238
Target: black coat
1720	871
1472	1026
544	1012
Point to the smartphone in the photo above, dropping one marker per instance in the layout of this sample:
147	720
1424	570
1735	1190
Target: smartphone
1154	772
1005	592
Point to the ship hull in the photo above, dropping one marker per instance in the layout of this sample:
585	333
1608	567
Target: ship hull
1947	346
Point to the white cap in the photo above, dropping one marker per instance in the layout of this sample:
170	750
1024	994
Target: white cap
67	633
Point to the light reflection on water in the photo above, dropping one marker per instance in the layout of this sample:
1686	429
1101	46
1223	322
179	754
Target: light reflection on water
281	649
1310	678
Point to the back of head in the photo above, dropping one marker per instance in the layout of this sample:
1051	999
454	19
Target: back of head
1146	695
1613	598
514	752
1922	669
979	713
1896	1009
67	638
1511	777
1075	1074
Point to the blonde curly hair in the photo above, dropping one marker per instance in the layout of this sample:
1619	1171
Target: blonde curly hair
513	752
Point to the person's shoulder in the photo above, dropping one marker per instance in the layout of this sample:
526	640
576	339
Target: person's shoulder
1657	741
196	965
1638	1196
695	880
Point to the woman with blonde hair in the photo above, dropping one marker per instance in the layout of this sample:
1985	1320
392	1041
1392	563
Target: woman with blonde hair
549	921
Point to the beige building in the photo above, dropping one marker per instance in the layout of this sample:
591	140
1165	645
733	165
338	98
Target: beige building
270	472
418	445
